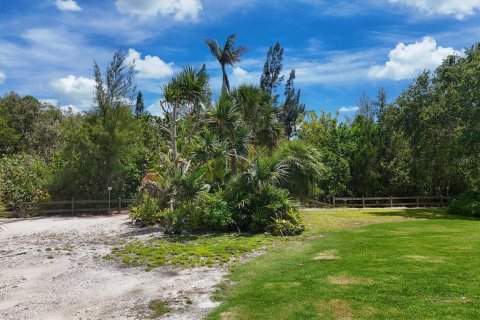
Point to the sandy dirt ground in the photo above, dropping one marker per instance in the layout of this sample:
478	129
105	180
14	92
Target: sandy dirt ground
51	268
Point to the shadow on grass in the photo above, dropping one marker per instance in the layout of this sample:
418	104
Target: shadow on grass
210	236
420	213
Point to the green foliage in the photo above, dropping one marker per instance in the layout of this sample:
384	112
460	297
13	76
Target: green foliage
28	125
304	167
227	54
255	198
333	142
147	212
292	108
102	147
22	178
467	204
217	216
271	78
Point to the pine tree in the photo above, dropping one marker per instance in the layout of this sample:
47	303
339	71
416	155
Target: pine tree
139	106
292	107
271	78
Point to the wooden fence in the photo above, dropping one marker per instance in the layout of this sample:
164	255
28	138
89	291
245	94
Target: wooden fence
74	206
379	202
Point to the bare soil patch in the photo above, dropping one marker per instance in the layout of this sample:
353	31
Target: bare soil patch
52	268
345	280
327	255
426	259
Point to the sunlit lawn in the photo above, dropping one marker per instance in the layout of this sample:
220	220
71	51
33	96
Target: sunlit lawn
356	264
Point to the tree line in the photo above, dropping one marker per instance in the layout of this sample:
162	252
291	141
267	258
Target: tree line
237	162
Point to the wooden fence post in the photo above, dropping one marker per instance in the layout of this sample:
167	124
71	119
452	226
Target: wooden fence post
363	201
333	201
73	206
418	201
391	202
22	209
119	204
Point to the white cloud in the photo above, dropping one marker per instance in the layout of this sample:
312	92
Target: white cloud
147	9
3	77
406	61
151	67
49	101
337	67
68	5
347	109
239	72
458	8
155	109
65	108
75	90
70	108
241	76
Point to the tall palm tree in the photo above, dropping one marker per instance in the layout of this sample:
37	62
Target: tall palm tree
184	96
226	122
226	55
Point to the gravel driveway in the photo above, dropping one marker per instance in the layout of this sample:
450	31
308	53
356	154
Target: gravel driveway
51	268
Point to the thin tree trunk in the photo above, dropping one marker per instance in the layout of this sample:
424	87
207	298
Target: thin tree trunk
174	136
225	84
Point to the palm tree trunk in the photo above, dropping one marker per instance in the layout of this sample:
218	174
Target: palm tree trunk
173	122
225	84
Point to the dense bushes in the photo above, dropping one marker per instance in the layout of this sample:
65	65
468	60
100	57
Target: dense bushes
22	178
252	201
467	204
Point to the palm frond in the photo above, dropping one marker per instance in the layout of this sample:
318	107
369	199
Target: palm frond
214	48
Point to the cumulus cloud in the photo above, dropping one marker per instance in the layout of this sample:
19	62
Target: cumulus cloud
77	91
68	5
150	67
147	9
3	77
70	108
239	72
458	8
348	109
406	61
337	68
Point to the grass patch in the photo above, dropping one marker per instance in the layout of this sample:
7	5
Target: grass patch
192	251
426	266
158	308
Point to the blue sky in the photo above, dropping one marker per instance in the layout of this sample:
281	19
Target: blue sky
338	48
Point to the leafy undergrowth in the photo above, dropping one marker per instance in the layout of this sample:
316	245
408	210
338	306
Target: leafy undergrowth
3	211
425	266
210	250
191	251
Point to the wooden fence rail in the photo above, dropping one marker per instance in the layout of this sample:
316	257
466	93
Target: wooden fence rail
370	202
74	206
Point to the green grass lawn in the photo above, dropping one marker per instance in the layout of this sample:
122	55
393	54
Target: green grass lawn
351	264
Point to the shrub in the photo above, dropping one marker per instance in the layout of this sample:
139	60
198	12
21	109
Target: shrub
216	214
467	204
262	208
147	212
282	227
304	167
209	212
22	178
